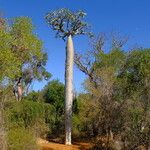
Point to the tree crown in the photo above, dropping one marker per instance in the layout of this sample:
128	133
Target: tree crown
66	23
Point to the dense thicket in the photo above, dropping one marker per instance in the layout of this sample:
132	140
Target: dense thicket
117	101
53	94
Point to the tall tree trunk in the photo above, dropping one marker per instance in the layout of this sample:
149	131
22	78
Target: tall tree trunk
69	89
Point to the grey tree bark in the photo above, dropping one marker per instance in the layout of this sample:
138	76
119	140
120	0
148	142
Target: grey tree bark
69	89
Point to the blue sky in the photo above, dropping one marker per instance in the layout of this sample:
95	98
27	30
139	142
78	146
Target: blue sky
129	17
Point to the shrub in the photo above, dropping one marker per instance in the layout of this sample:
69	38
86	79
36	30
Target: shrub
21	139
38	117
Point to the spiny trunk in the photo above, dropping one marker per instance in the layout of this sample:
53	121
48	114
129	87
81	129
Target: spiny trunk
69	89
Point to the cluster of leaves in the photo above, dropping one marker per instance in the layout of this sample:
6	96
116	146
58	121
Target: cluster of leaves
26	113
9	63
21	53
20	138
66	22
27	120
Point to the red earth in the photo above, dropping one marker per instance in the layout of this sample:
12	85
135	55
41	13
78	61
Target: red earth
45	145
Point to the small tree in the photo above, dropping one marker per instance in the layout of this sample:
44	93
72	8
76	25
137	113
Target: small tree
28	49
68	24
53	93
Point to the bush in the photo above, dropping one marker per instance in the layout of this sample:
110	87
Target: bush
34	116
21	139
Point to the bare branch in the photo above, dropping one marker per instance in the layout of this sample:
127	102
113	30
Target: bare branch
67	23
98	43
119	41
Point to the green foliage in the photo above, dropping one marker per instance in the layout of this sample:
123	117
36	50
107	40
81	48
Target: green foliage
135	72
35	96
25	42
20	138
9	63
81	116
114	58
66	22
21	53
53	93
118	99
31	115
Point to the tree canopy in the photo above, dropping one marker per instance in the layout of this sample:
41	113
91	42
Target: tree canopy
66	22
22	52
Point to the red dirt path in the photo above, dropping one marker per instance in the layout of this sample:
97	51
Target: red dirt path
56	146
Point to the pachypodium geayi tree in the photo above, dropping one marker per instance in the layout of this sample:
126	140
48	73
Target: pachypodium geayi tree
68	24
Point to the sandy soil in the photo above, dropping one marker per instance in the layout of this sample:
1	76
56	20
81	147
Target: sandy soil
56	146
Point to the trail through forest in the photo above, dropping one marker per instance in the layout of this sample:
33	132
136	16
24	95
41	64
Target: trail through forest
57	146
